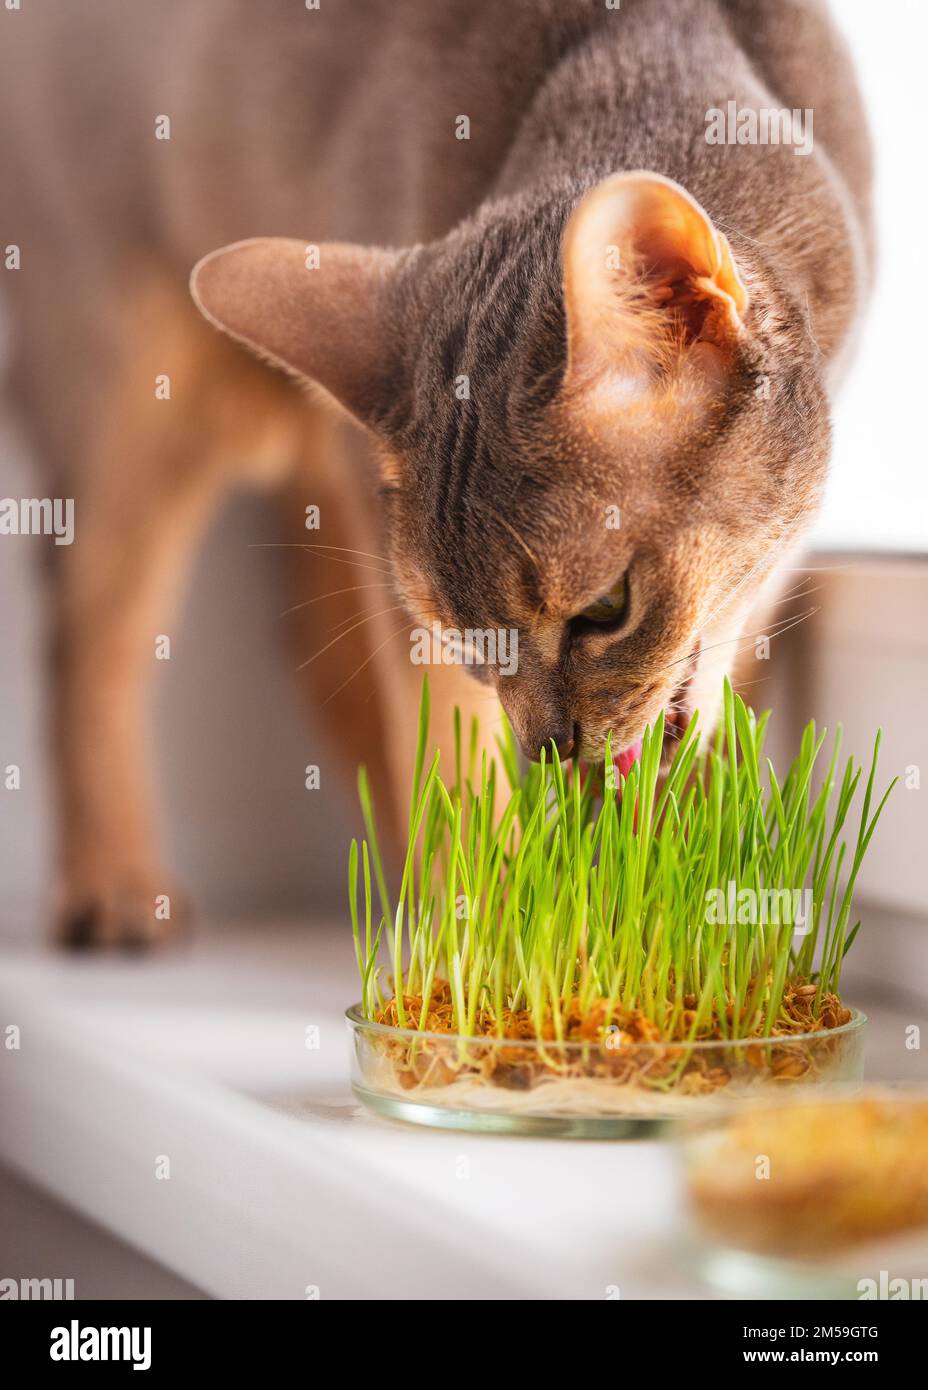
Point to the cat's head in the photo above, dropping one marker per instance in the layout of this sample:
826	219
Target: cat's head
598	431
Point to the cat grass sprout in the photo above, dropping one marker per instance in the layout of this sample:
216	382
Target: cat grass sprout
561	906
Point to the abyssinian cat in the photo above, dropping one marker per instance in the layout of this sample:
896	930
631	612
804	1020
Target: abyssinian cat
590	331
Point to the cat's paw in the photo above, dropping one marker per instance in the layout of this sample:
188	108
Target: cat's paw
121	916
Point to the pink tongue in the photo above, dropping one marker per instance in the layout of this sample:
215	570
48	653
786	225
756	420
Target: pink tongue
624	760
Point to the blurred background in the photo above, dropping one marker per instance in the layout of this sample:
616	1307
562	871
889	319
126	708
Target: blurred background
264	859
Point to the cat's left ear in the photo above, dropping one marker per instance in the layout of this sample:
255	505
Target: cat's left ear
322	312
651	289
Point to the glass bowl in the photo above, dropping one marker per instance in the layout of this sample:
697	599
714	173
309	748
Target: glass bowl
609	1089
813	1195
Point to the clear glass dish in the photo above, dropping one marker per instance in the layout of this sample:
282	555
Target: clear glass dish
611	1089
812	1195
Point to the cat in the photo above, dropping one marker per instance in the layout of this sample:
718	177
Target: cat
592	345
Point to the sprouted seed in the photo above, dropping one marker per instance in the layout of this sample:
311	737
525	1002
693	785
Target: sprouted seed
847	1171
561	903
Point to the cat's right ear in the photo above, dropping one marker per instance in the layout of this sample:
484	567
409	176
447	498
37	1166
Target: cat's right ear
652	293
320	312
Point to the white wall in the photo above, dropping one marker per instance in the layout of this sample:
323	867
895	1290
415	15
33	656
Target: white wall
878	493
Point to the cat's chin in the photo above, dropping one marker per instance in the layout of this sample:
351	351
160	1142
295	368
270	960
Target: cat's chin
677	716
676	723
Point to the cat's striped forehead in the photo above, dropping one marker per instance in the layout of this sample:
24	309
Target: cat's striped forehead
524	492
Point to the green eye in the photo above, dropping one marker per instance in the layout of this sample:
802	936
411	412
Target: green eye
608	608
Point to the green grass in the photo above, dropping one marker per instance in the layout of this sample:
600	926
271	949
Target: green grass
528	891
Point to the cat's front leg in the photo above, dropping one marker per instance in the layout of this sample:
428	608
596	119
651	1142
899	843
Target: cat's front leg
148	472
112	889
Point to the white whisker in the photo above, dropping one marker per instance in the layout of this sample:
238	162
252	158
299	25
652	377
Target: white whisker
333	593
360	623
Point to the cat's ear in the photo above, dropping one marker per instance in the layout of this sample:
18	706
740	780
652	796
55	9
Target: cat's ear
651	289
320	312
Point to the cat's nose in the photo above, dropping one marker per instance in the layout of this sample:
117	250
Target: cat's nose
563	739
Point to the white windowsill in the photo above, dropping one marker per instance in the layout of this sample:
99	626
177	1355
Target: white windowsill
278	1179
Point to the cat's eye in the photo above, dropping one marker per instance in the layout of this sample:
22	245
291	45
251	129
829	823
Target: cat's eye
610	607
